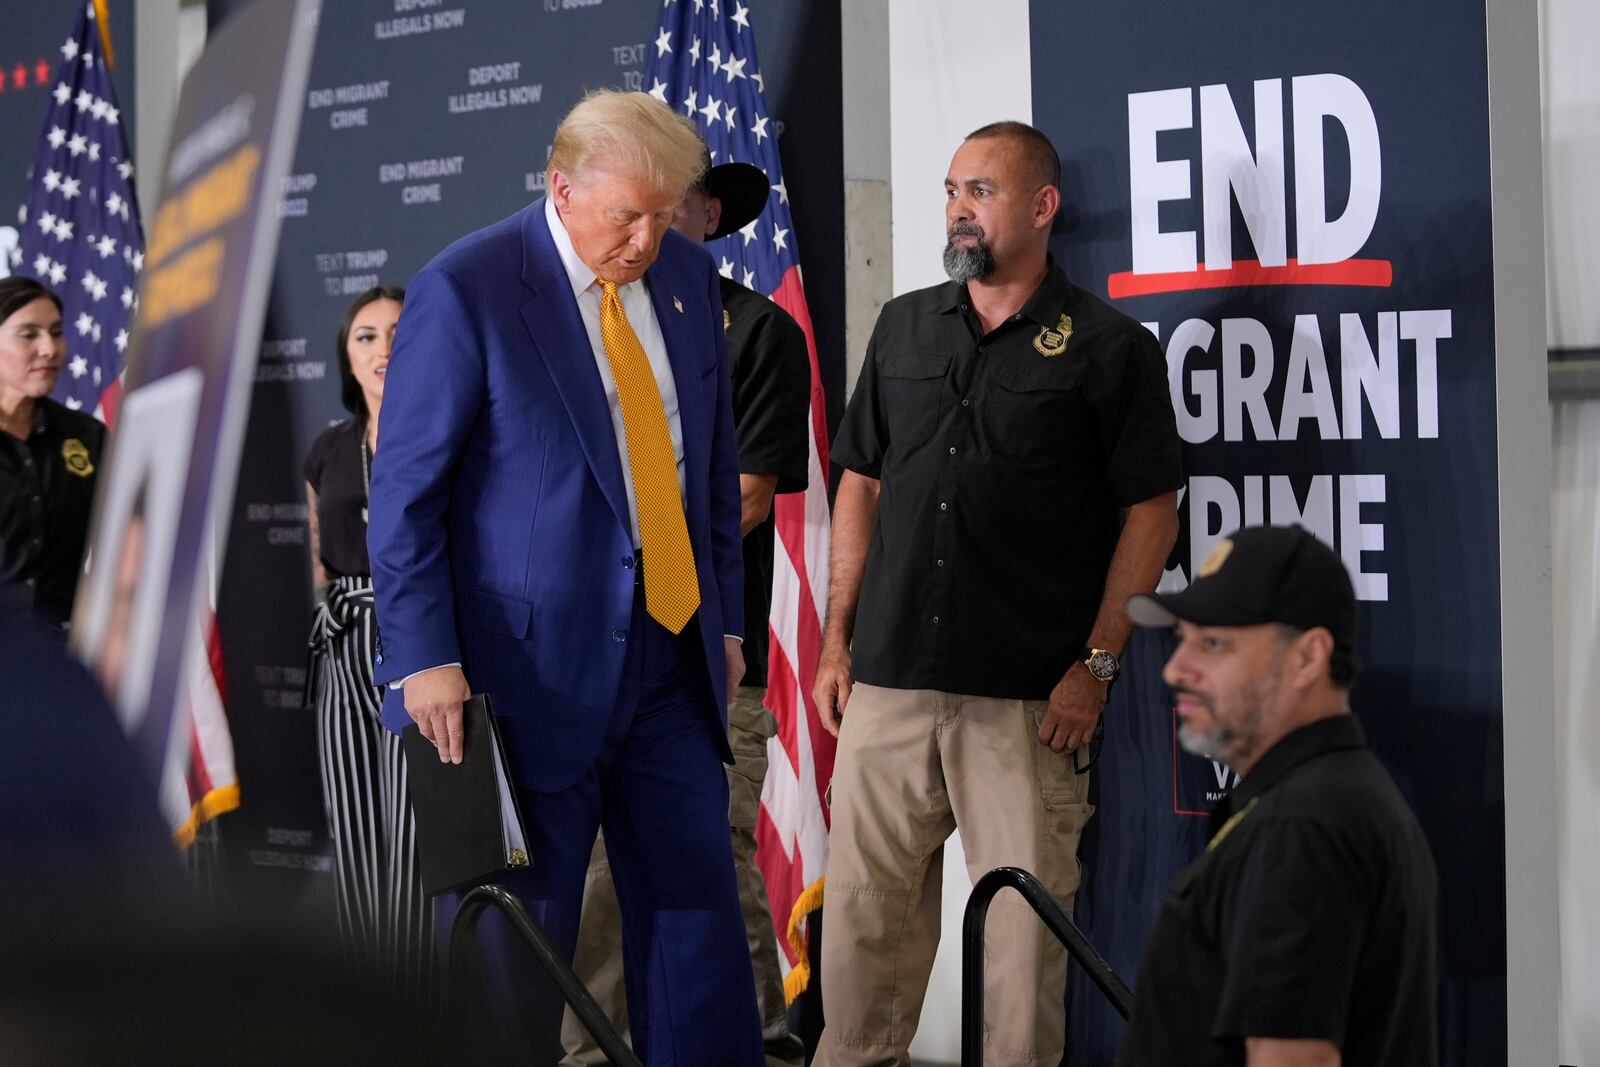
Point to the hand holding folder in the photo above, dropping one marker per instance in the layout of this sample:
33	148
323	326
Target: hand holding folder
469	824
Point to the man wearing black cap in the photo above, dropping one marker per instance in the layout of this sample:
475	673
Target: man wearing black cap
1306	932
771	377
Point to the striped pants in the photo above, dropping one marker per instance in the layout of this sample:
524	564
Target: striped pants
385	919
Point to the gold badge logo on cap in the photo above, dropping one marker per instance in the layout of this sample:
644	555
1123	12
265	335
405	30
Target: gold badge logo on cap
1052	342
1215	559
76	456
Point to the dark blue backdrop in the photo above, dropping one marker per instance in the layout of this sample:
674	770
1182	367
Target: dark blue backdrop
421	125
1430	695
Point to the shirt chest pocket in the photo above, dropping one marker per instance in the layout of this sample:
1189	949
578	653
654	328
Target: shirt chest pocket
913	389
1036	409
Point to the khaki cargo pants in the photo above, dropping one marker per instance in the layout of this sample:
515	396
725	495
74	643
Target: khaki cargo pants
913	765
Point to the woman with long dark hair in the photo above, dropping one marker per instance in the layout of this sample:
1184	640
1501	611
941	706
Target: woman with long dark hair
49	455
384	916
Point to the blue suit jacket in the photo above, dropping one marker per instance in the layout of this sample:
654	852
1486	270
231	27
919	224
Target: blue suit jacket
499	530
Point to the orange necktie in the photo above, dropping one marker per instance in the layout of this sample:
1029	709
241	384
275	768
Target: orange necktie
671	589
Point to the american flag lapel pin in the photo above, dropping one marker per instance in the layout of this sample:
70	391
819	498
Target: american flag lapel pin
677	305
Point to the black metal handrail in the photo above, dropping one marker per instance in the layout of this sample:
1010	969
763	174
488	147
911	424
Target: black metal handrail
560	971
1055	918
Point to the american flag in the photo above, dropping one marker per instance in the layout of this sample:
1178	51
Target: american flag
81	236
80	232
703	62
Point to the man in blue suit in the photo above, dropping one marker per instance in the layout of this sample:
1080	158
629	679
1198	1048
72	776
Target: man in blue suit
555	522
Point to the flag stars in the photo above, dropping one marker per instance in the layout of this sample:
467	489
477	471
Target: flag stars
759	130
47	222
63	230
658	89
78	367
114	205
99	108
783	193
726	268
58	273
57	137
122	340
663	43
94	151
84	101
41	264
94	285
52	180
85	324
62	93
70	49
689	101
694	50
729	117
741	15
112	115
122	345
715	58
125	169
70	187
78	144
761	86
712	111
749	232
106	246
734	68
749	279
73	403
127	297
779	236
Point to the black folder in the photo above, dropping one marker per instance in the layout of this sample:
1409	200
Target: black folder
469	825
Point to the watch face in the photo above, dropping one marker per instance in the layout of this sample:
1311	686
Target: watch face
1102	664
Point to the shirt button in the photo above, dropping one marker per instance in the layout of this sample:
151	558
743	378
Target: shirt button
619	636
943	506
627	561
952	450
982	348
936	620
963	307
940	562
966	401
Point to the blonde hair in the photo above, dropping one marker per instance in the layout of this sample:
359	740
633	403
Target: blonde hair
631	134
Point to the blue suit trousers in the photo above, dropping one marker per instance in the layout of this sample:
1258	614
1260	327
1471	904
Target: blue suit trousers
659	789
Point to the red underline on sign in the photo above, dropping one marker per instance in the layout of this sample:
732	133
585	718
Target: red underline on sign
1248	273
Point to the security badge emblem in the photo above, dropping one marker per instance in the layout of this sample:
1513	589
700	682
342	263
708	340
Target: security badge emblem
76	456
1052	340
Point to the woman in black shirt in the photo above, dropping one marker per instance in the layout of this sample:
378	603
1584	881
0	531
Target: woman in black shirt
384	916
49	455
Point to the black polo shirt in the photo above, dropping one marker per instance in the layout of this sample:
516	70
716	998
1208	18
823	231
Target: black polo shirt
771	372
1005	461
46	494
1312	914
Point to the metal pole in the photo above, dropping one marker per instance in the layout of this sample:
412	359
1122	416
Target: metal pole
550	960
1050	911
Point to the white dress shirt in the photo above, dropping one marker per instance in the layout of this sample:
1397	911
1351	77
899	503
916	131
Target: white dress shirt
641	312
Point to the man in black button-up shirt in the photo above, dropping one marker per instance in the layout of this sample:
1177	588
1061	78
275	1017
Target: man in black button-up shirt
1011	466
1306	934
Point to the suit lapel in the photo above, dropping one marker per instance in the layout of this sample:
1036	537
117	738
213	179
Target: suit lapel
667	295
553	320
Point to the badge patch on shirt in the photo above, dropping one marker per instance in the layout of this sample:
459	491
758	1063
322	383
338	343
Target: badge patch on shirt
76	456
1052	341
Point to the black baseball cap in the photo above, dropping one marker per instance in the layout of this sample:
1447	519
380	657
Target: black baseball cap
1262	574
743	189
